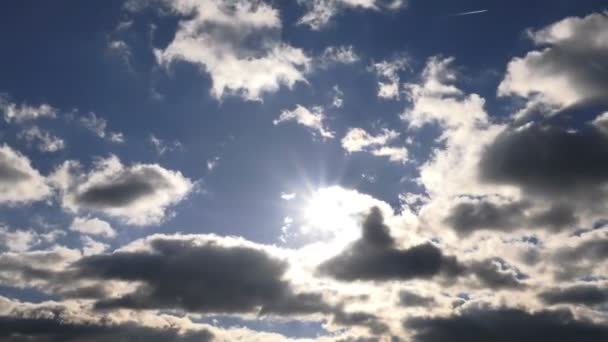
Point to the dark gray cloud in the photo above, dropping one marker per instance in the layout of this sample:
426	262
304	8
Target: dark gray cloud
578	294
200	278
127	188
411	299
496	273
549	161
359	318
580	261
44	329
468	217
506	325
374	257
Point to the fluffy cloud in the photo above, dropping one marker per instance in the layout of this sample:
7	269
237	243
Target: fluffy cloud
313	118
236	43
358	140
320	12
20	183
140	194
92	226
569	69
20	113
200	276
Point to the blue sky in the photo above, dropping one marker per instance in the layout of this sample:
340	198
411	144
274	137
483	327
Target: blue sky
347	169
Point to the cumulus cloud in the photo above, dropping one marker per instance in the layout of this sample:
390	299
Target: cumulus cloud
358	140
320	12
508	325
13	112
200	276
375	257
43	140
556	164
584	294
570	66
237	44
313	118
92	226
139	194
20	183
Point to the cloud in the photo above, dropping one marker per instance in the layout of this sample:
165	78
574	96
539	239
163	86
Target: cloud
578	294
51	326
320	12
200	275
358	140
375	257
92	226
21	113
237	44
389	84
313	118
344	54
98	126
468	216
506	325
139	194
570	68
44	141
20	183
549	161
411	299
162	147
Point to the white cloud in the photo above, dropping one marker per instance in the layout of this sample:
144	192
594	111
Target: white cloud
92	226
389	86
338	100
98	125
20	183
44	141
358	140
139	194
17	241
213	163
20	113
312	118
162	147
320	12
394	154
344	54
567	68
91	247
288	196
236	43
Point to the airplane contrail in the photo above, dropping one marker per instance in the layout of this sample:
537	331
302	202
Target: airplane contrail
466	13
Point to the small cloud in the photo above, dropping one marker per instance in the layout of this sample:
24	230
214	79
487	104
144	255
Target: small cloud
312	118
213	163
98	126
288	196
162	147
43	140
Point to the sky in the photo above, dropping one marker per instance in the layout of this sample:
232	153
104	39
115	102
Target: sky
304	170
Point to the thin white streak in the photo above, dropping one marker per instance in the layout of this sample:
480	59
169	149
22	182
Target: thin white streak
466	13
